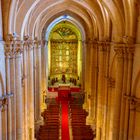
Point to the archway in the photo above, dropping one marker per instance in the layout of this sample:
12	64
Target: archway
64	52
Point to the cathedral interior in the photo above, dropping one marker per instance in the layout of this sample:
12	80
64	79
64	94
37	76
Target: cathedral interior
69	69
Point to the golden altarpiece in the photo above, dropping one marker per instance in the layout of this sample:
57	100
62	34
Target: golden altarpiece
64	54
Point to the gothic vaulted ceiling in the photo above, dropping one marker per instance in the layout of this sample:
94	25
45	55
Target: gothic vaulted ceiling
100	19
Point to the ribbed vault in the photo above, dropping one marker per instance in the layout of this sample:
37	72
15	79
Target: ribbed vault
97	17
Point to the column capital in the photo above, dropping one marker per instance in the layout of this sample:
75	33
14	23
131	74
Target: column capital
29	43
134	102
4	101
11	37
128	39
119	50
129	49
103	46
13	48
122	49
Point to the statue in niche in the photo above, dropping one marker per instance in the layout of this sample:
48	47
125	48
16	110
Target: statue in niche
63	78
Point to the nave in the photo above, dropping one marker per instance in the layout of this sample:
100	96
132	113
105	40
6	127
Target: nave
93	44
65	119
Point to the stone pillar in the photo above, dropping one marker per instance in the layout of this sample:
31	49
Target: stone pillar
1	45
37	84
44	82
115	114
10	83
13	100
25	88
87	76
111	90
130	52
3	99
19	101
101	88
30	92
133	104
8	91
92	97
3	117
122	114
105	96
83	66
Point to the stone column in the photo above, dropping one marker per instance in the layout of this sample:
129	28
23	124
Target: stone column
44	82
105	96
92	97
13	88
25	88
3	99
101	88
10	83
111	90
8	91
4	117
87	75
37	84
122	114
115	115
19	101
30	92
130	52
83	66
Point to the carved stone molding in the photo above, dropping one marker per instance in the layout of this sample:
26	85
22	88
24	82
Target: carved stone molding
129	50
12	51
11	37
134	102
128	39
13	46
103	46
4	101
119	50
123	50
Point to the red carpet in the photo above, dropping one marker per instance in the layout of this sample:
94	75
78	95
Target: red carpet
65	124
63	98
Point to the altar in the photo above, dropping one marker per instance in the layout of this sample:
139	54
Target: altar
64	91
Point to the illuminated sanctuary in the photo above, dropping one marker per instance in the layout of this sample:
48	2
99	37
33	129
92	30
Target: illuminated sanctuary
64	54
69	69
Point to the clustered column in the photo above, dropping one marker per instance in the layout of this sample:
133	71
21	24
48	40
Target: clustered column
23	94
92	97
87	75
115	113
44	72
37	85
18	91
13	52
30	86
102	49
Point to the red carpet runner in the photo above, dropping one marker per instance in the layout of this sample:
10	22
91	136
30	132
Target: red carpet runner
65	124
63	97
